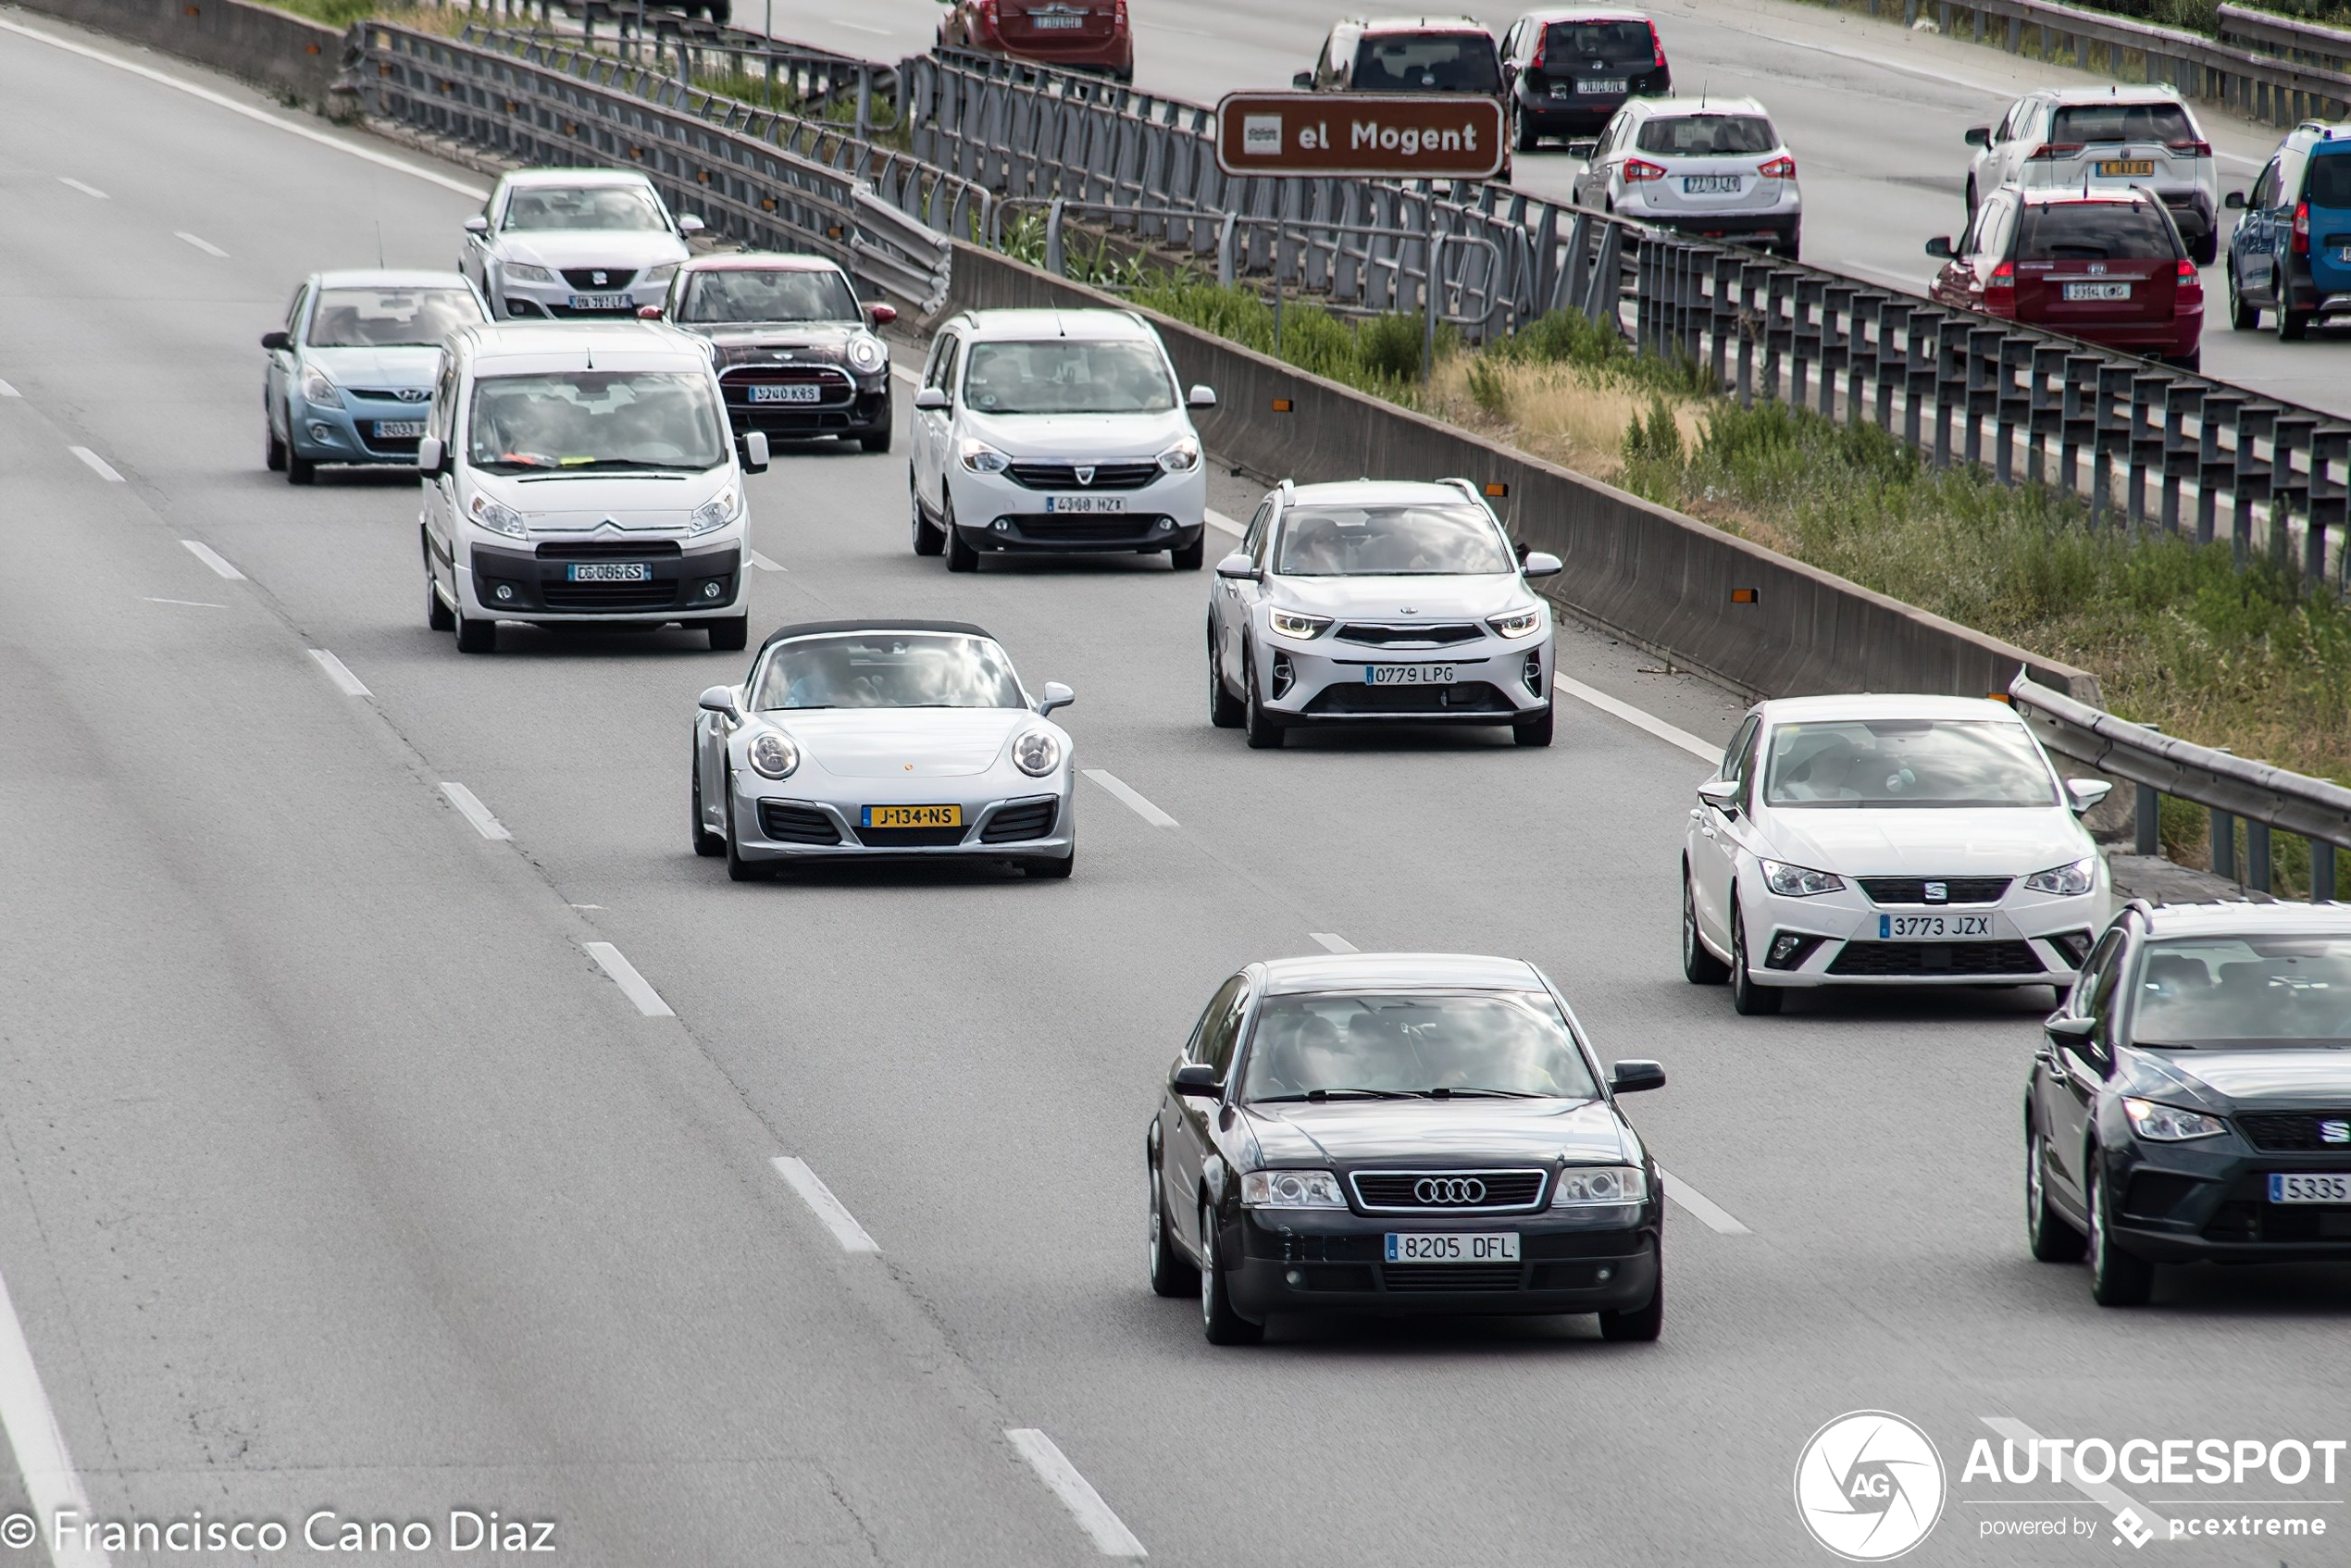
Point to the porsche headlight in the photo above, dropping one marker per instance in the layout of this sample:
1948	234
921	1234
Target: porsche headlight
1585	1185
2169	1124
1517	623
1798	883
1291	1190
499	517
318	390
661	274
1037	752
982	458
1181	458
867	353
2066	881
523	272
1290	623
773	754
716	513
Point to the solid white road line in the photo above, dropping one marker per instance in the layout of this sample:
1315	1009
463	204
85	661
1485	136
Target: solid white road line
1333	943
84	189
866	26
1217	519
1907	281
205	246
211	557
222	100
8	391
1111	1537
824	1205
98	465
1705	1210
192	604
1136	802
1637	718
762	563
467	801
2113	1499
340	673
50	1484
633	986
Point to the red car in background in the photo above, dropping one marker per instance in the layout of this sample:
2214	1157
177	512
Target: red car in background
1071	34
2107	268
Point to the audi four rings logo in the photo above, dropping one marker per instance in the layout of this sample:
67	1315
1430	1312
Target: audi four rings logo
1449	1189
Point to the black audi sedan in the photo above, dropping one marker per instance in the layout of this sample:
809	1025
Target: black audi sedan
796	355
1397	1133
2192	1102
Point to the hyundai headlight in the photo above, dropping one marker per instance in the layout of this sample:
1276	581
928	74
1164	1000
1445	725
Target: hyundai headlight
982	458
1181	458
716	513
867	353
1037	752
1290	623
661	274
1796	882
1518	623
1585	1187
499	517
523	272
318	390
2066	881
1291	1190
2169	1124
773	754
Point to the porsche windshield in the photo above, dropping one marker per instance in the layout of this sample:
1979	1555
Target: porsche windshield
614	208
597	420
2245	992
769	294
1907	763
1068	376
1430	541
390	318
1414	1043
893	669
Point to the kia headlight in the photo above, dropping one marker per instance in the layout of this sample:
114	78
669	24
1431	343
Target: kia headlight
1291	1190
716	513
523	272
1037	752
868	354
1517	623
982	458
1290	623
499	517
1181	458
772	755
318	390
2169	1124
661	274
1590	1187
1798	883
2066	881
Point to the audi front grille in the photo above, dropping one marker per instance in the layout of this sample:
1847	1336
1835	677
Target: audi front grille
1447	1192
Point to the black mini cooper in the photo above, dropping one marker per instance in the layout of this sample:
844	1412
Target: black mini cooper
1397	1133
796	355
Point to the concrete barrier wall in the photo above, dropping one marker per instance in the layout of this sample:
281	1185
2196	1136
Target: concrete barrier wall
290	55
1649	574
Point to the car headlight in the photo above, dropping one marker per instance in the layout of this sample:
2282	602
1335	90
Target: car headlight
661	274
2169	1124
499	517
1037	752
1290	623
866	354
523	272
1291	1190
318	390
2066	881
982	458
1181	458
1518	623
773	754
1796	882
1581	1186
716	513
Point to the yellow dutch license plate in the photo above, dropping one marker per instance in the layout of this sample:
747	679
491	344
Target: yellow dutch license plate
2125	168
913	817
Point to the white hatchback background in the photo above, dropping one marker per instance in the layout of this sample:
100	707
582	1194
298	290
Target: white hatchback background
2105	138
552	243
1712	168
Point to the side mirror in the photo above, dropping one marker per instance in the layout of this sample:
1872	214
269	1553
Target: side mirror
1197	1079
1632	1076
1056	696
478	224
689	224
1722	794
755	452
1200	397
881	314
2065	1030
1541	563
277	343
1303	81
1940	247
1979	135
930	400
1238	566
2233	201
430	457
719	700
2088	793
649	313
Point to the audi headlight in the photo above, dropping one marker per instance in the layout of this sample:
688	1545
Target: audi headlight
523	272
1181	458
499	517
1517	623
1289	623
1796	882
2169	1124
661	274
1291	1190
1037	752
773	754
318	390
2066	881
867	353
982	458
1585	1187
716	513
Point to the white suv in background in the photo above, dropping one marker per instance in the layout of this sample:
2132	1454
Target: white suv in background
557	243
1714	169
1055	430
2105	138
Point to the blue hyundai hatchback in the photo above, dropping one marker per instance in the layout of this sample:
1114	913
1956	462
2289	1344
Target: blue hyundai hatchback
352	370
2291	251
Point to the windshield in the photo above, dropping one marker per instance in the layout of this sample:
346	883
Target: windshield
2245	992
1628	42
2122	122
771	295
1399	1043
596	419
1427	62
1907	763
1701	135
1431	541
889	669
2095	231
629	208
2330	183
390	318
1068	376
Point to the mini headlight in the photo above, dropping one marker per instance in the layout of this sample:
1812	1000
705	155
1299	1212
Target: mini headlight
661	274
773	754
1795	882
982	458
866	354
318	390
716	513
1037	752
2066	881
523	272
1291	1190
1518	623
1583	1186
1289	623
499	517
2169	1124
1181	458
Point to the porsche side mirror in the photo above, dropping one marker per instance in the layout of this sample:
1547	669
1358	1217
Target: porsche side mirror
1197	1079
1303	81
689	224
881	314
2087	793
1239	566
649	313
1542	563
476	224
431	458
1940	247
1979	135
2233	201
930	400
1200	397
1722	794
1632	1076
277	343
1056	696
754	451
719	700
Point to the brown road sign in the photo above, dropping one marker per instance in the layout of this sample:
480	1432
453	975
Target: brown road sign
1382	135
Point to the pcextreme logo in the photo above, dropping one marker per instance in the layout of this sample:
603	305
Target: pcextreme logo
1868	1485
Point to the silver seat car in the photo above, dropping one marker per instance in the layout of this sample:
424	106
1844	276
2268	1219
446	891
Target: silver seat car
552	243
1378	601
350	372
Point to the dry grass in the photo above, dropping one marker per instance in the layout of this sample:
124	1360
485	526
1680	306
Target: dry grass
1567	413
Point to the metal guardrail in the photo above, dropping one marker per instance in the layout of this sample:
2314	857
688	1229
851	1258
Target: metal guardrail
2229	787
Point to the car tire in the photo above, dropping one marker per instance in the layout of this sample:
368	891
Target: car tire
2117	1279
1045	869
707	844
1794	249
961	557
731	634
2207	250
1225	709
1536	731
273	451
1171	1274
877	442
1698	967
2292	325
2050	1234
1638	1325
1217	1319
928	540
438	617
1970	198
1748	998
2243	317
1522	139
738	868
1188	557
473	636
1264	734
300	469
2192	361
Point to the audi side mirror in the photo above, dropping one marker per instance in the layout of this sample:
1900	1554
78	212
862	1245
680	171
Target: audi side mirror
1303	81
1197	1079
1722	794
881	314
1979	135
478	224
1056	696
930	400
2087	793
754	451
1633	1076
1542	563
649	313
719	700
2233	201
688	225
1940	247
1201	396
1238	567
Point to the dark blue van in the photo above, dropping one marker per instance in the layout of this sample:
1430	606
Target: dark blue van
2291	251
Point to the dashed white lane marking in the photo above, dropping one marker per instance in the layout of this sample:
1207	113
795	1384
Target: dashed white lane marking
2113	1499
764	564
205	246
866	26
633	986
50	1484
1111	1537
470	805
212	558
1706	1212
340	673
1333	943
192	604
223	101
1217	519
96	464
87	190
1135	803
824	1205
8	391
1907	281
1637	718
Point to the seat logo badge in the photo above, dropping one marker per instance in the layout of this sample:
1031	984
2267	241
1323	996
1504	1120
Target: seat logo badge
1868	1485
1938	892
1434	1190
1084	473
598	278
2334	1132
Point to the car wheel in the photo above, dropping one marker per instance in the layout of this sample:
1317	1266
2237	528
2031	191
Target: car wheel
2292	324
1794	249
1639	1324
1522	138
473	636
928	540
2192	361
1748	998
2205	250
1970	198
1536	731
1048	870
1217	1319
2052	1236
1264	735
707	844
436	614
301	470
1698	967
1172	1273
961	557
2243	317
273	451
738	868
731	634
1225	709
1188	557
2117	1279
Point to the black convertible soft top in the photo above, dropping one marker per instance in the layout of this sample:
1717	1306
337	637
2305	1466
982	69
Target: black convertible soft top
820	629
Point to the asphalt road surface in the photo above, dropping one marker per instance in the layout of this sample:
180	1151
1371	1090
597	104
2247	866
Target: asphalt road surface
338	1172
